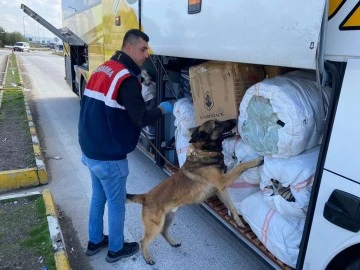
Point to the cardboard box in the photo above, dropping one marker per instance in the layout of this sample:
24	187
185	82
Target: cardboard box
274	71
218	88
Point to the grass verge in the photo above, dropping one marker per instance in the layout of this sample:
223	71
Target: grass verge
25	241
12	74
15	139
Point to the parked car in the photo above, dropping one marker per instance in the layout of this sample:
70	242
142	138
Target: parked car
21	47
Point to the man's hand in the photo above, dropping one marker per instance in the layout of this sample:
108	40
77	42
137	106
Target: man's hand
166	107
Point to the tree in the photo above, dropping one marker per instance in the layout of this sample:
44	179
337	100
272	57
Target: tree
13	37
10	38
2	37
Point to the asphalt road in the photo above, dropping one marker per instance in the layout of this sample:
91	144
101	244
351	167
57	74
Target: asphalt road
205	243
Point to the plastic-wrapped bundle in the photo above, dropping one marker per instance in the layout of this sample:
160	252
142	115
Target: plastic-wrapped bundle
244	152
283	116
184	119
184	115
148	90
236	151
281	235
228	146
287	182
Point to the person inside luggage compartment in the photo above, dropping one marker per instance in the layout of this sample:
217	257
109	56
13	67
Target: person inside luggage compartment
111	117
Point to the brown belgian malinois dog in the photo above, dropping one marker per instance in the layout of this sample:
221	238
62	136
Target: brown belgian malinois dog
202	176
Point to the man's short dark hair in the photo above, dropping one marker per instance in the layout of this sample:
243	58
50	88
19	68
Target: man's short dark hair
133	35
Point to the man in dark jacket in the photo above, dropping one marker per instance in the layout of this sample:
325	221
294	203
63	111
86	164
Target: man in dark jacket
111	117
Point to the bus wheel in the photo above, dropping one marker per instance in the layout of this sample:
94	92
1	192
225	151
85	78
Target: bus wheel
353	265
347	259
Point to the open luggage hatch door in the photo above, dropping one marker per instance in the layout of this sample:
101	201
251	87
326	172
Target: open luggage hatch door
63	33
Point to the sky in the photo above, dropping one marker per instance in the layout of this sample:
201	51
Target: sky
13	18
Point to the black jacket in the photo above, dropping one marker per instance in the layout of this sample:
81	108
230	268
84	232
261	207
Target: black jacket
111	119
130	96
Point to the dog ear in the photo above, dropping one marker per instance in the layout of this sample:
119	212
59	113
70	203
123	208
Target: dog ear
195	134
198	136
193	130
194	139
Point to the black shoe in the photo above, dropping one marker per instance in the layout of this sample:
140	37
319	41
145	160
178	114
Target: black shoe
92	248
127	250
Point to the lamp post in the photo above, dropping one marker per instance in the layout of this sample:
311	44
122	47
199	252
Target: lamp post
42	40
24	24
39	33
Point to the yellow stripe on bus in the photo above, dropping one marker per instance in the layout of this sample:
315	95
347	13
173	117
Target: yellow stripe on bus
353	20
334	6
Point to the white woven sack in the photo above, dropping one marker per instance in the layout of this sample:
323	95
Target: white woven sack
235	151
184	115
281	235
282	116
228	151
240	190
184	119
181	145
296	172
244	152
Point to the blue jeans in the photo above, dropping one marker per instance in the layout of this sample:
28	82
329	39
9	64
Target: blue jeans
108	185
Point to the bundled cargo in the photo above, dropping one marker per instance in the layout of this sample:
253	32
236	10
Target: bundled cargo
148	92
244	152
287	182
283	116
281	235
148	87
228	146
184	119
236	151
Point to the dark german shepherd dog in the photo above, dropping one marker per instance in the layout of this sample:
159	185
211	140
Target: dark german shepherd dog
202	176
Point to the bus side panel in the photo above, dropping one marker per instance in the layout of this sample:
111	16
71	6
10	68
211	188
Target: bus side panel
343	31
88	25
341	172
326	236
114	34
280	32
344	147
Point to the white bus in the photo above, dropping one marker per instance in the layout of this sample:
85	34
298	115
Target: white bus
321	37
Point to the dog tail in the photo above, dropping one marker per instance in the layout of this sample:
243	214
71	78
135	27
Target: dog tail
136	198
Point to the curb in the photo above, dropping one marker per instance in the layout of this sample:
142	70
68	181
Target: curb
57	240
61	258
34	176
6	69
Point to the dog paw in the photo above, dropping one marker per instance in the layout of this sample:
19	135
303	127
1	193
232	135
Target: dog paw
238	221
260	160
150	261
176	245
240	225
